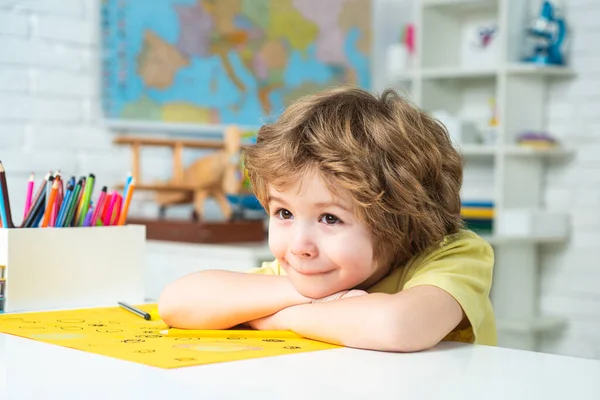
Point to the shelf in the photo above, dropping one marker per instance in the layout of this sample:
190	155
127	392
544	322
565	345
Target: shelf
497	240
516	69
458	73
536	325
474	150
541	70
522	151
461	6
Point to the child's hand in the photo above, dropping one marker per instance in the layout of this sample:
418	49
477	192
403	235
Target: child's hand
341	295
278	321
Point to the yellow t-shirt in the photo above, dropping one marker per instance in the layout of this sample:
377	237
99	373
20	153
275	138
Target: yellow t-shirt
462	266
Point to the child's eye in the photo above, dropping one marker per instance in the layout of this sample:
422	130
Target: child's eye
282	213
330	219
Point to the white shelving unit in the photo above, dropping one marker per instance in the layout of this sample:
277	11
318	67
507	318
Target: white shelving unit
447	77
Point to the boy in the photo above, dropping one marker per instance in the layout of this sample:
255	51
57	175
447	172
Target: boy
364	201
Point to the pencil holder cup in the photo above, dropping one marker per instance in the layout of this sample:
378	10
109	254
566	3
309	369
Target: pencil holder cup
53	268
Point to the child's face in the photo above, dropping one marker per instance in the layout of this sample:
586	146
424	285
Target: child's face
317	239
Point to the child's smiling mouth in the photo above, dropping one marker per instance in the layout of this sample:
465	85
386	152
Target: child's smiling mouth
309	271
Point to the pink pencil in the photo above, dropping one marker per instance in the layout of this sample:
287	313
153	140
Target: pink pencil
109	211
99	207
29	194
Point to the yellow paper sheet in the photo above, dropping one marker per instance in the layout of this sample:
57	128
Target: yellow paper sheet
117	333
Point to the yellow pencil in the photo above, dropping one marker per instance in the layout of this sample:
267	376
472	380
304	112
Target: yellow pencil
173	332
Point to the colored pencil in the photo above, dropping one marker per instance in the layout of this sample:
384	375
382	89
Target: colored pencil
49	184
3	216
116	210
28	197
54	211
127	183
99	206
57	202
85	201
125	211
6	198
50	205
134	310
61	193
109	197
38	218
88	217
73	204
109	210
36	210
39	192
62	213
79	201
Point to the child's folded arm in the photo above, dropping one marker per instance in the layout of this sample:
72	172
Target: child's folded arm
218	299
412	320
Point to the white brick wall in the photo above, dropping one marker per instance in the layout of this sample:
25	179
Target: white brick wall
571	273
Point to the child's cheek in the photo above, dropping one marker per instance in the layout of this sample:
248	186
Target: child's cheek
277	241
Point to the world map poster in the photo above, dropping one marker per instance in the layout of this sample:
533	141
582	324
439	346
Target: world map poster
228	61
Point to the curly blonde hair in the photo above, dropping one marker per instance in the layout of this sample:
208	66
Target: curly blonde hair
396	161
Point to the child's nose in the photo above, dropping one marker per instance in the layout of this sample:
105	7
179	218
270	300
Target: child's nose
303	245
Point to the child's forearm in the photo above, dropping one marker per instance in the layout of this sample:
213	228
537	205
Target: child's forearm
222	299
373	322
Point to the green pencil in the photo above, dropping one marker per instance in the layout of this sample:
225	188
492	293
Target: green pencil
87	194
73	206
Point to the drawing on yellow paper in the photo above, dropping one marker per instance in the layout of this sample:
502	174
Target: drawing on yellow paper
114	332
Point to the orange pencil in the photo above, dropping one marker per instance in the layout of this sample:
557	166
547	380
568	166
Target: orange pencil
57	201
50	204
125	210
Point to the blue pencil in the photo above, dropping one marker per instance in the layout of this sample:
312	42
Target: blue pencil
64	206
3	209
127	183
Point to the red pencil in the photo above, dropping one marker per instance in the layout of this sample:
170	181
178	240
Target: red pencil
117	210
99	207
109	211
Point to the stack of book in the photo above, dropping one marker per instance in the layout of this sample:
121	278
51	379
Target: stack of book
478	216
537	140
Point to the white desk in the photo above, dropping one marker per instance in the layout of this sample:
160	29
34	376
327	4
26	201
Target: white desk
34	370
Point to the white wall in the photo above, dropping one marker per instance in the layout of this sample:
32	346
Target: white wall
49	118
571	273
